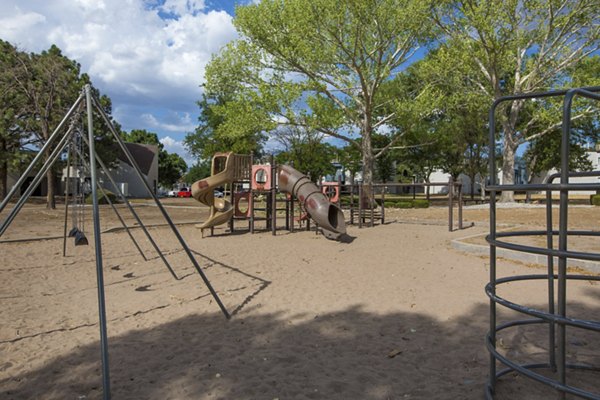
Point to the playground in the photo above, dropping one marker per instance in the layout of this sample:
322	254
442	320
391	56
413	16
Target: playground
395	314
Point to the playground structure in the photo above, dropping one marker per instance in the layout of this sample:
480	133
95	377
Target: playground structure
75	141
553	371
247	182
253	196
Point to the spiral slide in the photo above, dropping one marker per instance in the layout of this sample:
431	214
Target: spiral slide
327	215
221	210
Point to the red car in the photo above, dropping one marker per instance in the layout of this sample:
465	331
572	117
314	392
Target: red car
184	192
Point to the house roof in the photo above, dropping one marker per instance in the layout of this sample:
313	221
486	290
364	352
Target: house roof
143	154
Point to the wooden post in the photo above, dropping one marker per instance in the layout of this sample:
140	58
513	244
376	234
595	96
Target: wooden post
450	203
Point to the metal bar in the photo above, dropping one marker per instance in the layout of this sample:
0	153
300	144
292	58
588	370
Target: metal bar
550	265
67	187
460	207
273	198
135	215
360	206
162	210
98	249
40	153
450	204
492	283
383	206
372	205
543	187
562	240
36	181
120	218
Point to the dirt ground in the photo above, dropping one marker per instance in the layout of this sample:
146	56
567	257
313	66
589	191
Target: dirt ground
392	313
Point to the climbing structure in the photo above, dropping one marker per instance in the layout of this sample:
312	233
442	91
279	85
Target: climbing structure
554	363
257	186
226	168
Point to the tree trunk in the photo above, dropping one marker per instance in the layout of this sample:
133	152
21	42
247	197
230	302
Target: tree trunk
508	169
472	179
368	162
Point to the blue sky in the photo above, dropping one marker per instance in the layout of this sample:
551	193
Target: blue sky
147	56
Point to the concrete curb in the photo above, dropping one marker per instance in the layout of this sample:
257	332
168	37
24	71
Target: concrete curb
484	250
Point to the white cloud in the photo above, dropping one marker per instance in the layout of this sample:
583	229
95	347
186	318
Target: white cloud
173	123
125	46
140	53
176	146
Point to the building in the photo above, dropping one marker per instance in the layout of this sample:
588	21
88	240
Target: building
145	156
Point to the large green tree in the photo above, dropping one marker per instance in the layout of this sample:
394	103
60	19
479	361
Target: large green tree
306	151
514	47
49	84
209	139
319	65
12	109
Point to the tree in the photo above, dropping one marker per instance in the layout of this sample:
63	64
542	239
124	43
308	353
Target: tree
12	105
171	167
50	83
514	47
319	65
306	152
198	171
208	139
543	153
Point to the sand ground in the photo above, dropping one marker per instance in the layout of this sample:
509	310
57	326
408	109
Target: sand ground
396	313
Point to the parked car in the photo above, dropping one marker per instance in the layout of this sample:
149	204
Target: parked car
184	192
218	193
172	193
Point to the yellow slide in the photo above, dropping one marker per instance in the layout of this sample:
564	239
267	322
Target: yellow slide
221	210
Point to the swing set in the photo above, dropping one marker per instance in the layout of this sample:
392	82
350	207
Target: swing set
84	163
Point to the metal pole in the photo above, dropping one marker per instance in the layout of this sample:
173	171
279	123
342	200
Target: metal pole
360	206
162	210
135	215
550	261
383	205
273	198
372	204
460	207
120	218
450	204
98	249
562	240
36	181
493	178
67	187
40	153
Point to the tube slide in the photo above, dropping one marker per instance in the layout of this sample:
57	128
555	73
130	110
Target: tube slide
326	214
221	210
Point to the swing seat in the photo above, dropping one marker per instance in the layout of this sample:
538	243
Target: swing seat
80	239
73	231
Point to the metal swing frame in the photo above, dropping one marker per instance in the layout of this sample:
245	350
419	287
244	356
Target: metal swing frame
66	139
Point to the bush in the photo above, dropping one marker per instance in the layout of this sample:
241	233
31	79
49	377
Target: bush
389	203
595	199
420	203
404	204
101	197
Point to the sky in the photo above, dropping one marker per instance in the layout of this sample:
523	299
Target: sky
148	56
